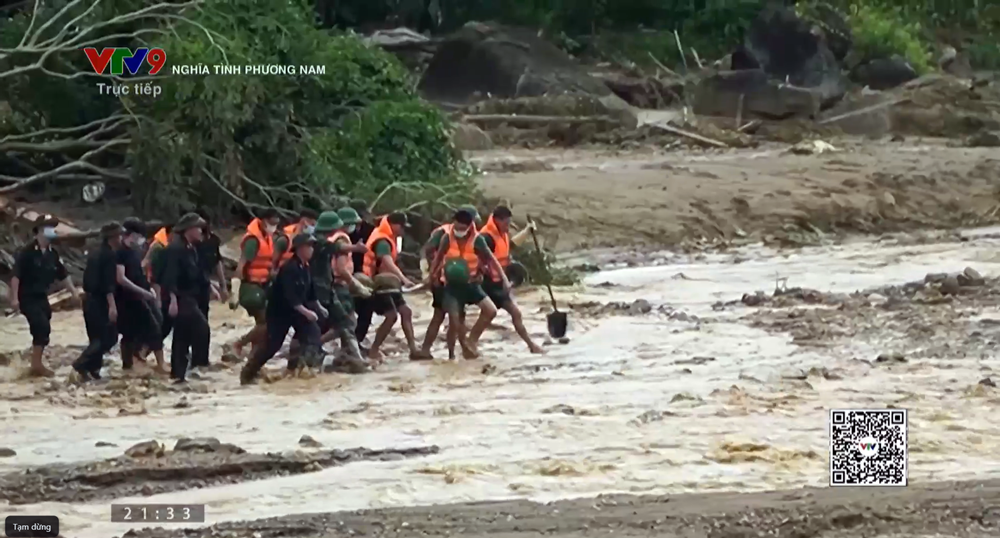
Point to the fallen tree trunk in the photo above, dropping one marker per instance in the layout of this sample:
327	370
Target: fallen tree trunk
534	121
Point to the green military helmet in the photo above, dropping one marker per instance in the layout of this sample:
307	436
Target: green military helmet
349	215
471	209
456	272
328	222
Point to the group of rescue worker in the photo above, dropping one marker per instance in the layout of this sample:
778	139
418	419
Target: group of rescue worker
301	277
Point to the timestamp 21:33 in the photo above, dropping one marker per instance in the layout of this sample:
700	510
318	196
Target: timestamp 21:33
158	513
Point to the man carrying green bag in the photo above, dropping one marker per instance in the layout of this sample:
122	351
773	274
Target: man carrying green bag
460	255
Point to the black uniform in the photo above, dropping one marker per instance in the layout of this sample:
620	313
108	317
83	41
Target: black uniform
363	307
184	278
292	287
37	269
209	256
98	282
138	318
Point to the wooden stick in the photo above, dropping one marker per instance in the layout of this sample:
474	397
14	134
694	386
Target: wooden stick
697	59
680	48
692	136
864	110
739	111
534	120
660	65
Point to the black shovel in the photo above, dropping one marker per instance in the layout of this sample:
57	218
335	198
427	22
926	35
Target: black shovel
557	321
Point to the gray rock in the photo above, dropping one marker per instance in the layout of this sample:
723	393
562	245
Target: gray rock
467	137
950	285
198	444
640	306
788	49
7	452
884	73
145	449
984	139
719	95
309	442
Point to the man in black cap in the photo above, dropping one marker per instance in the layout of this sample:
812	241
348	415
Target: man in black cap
100	310
292	304
182	282
138	319
363	308
36	268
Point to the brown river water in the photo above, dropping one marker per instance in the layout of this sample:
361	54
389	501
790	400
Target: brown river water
688	400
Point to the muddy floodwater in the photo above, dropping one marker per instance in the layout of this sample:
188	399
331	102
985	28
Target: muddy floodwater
671	396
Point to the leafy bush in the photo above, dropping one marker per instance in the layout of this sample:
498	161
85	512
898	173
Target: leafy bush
880	32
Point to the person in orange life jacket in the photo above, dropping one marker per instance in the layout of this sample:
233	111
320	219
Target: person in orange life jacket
497	236
181	284
138	323
36	268
292	304
381	258
465	248
255	270
283	241
100	309
437	291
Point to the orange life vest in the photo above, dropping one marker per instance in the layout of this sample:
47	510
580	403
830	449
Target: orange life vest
290	232
333	238
161	238
463	249
501	245
258	270
383	231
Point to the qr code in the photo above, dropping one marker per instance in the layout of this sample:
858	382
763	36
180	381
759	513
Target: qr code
868	447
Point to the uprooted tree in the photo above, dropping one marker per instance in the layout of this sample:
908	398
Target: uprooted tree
219	141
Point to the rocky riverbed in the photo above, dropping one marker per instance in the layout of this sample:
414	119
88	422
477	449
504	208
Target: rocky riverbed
149	468
942	510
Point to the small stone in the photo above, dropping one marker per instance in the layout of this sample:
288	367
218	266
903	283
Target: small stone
640	306
7	452
564	340
970	277
950	286
145	449
199	444
876	299
987	382
891	357
489	369
313	467
5	359
104	444
183	403
308	441
147	490
933	278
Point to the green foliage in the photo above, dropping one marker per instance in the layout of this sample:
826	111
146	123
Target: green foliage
542	267
249	140
881	32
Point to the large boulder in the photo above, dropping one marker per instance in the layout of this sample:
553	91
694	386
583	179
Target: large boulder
791	49
884	73
719	94
482	61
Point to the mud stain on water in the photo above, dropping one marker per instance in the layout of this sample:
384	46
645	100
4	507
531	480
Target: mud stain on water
634	403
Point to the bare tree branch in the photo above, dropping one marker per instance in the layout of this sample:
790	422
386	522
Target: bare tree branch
81	163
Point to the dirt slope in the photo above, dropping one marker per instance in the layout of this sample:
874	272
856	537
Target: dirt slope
595	199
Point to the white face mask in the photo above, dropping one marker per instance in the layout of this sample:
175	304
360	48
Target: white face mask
270	228
49	233
140	241
309	229
351	228
461	234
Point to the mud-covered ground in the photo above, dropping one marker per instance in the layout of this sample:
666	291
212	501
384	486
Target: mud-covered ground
664	196
952	510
